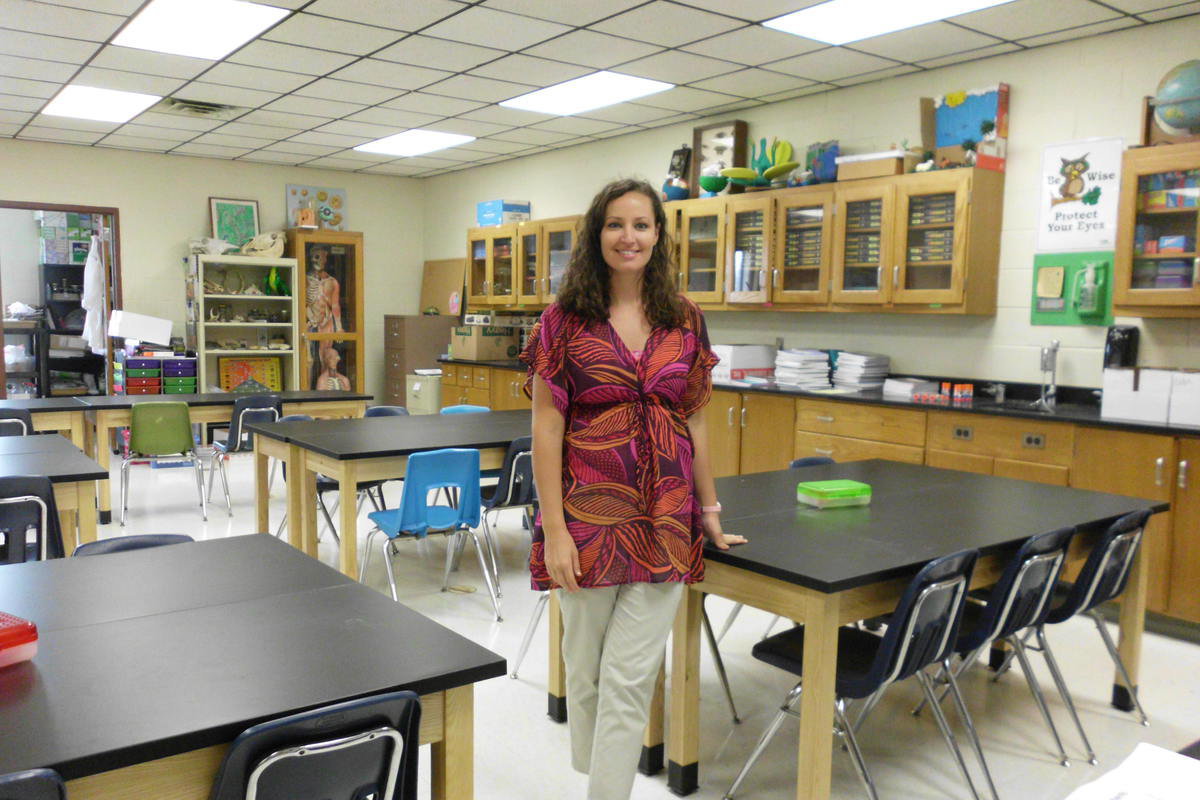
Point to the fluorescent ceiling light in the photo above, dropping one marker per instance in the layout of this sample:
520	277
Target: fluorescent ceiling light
209	29
842	21
414	143
597	90
105	105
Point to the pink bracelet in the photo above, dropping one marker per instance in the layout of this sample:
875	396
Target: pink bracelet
711	509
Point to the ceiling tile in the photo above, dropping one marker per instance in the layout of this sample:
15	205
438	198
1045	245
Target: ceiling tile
396	168
509	117
73	124
672	120
593	49
876	75
624	130
330	89
1024	18
675	66
400	16
428	161
226	140
725	109
181	123
969	55
131	59
8	130
134	143
487	25
359	129
335	162
270	157
756	11
107	6
1171	13
667	24
754	45
530	136
362	159
393	117
310	61
226	95
127	81
271	80
753	83
816	88
576	125
37	45
496	146
15	117
209	150
461	154
302	148
1138	6
432	104
627	113
1083	30
683	98
295	104
832	62
331	139
568	12
283	119
36	69
467	127
17	103
26	15
438	53
308	30
390	74
59	135
257	131
28	88
471	87
924	42
523	68
135	130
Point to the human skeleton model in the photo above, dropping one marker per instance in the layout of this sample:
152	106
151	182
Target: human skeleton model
330	379
323	310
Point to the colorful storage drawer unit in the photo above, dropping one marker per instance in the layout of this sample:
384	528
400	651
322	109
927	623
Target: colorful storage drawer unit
143	373
142	363
179	389
143	390
179	381
143	382
179	372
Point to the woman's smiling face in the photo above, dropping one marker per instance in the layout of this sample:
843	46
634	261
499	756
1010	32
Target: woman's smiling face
629	234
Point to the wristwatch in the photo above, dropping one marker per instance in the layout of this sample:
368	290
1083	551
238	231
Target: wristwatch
708	509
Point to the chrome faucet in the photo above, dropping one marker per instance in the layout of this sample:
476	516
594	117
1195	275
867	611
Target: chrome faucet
1049	387
995	390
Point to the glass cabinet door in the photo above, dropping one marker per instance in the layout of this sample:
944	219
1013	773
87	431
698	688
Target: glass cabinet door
558	240
747	275
477	266
701	252
529	285
928	260
501	289
863	226
802	246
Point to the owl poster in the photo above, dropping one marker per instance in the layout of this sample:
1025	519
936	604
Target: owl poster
316	206
1077	195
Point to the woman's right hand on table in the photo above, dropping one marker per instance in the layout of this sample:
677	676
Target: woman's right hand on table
562	559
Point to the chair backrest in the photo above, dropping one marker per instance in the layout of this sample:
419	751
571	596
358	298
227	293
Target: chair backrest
15	422
27	501
515	487
1106	570
119	544
452	467
465	409
252	408
386	411
924	627
160	428
365	748
811	461
32	784
1022	595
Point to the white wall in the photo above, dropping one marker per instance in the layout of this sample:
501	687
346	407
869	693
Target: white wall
1086	88
19	254
163	202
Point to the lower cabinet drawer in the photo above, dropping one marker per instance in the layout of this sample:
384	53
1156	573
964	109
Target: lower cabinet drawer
1029	471
861	421
844	448
964	462
1029	440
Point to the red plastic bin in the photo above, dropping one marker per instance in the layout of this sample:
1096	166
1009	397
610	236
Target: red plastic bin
143	381
18	640
155	389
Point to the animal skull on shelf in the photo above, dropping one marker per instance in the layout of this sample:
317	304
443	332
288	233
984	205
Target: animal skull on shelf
266	245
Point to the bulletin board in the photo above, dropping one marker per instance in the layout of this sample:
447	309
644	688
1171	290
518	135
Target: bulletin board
1058	288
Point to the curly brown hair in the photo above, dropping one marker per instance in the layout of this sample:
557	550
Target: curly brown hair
586	289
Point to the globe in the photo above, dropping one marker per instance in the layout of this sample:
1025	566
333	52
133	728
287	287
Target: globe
1177	104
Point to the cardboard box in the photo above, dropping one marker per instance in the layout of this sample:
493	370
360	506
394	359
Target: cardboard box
875	165
1185	398
483	343
741	361
501	212
442	286
1142	394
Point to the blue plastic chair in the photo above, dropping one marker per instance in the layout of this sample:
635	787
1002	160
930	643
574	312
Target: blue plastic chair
386	411
922	631
364	748
27	501
810	461
252	408
465	409
121	544
32	784
451	468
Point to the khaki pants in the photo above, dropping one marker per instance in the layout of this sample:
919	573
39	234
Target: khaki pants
614	640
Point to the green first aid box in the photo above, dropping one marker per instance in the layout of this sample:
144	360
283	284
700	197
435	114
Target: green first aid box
831	494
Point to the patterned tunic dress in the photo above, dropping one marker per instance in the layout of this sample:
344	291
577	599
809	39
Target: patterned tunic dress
628	495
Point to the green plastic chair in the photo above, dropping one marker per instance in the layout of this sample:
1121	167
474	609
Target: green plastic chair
161	429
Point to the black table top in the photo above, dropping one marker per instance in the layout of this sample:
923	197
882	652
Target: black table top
51	455
916	513
348	439
106	694
36	404
213	398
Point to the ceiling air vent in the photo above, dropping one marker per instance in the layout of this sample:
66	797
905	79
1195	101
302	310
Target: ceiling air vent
197	108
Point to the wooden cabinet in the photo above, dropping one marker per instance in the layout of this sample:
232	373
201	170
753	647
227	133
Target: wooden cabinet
1029	449
333	330
529	264
463	385
862	236
702	249
749	257
1160	204
558	239
1184	600
491	265
802	245
506	390
765	421
929	253
853	432
723	418
1141	465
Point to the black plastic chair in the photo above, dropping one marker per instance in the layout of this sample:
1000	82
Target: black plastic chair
252	408
922	631
27	501
15	422
365	748
810	461
386	411
121	544
32	784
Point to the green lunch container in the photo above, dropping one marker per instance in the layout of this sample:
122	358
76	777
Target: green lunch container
832	494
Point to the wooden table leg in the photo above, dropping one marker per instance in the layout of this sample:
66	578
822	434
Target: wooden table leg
1132	620
103	457
262	497
85	511
78	430
683	732
66	525
816	703
453	758
556	684
302	505
651	762
348	520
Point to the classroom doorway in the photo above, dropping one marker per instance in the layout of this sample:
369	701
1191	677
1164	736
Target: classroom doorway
44	249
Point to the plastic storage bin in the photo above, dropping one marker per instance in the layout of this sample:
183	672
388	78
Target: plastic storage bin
18	640
142	363
143	382
835	493
143	373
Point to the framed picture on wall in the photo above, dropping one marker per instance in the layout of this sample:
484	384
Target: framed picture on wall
716	147
234	221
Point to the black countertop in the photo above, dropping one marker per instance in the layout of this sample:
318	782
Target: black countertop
53	456
38	404
507	363
214	398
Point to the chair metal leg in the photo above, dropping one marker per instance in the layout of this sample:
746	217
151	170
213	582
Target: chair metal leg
460	542
487	575
1116	657
1006	664
543	598
362	568
725	626
770	625
948	735
212	466
225	485
867	707
452	538
198	466
492	550
328	519
966	662
1038	698
282	525
391	573
718	662
124	490
846	731
792	697
969	724
1064	692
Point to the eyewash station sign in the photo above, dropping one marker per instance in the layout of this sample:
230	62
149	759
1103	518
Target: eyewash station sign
1078	196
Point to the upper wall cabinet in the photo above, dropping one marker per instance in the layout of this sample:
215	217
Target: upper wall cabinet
748	253
803	244
702	249
1157	269
864	218
491	265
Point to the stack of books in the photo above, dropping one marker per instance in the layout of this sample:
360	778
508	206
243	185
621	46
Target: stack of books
906	388
802	368
859	371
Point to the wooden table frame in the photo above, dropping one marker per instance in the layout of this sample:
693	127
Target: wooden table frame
447	723
71	423
76	503
102	421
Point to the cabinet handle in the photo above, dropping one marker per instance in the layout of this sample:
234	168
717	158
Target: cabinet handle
1183	468
485	286
896	277
824	418
878	277
729	417
775	278
1196	272
823	451
743	417
1159	463
546	285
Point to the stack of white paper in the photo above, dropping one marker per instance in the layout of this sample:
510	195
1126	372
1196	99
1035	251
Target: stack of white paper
803	368
859	371
906	387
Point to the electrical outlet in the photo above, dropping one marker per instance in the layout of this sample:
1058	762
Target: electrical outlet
963	433
1035	441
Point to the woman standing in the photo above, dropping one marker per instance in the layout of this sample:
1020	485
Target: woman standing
619	372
